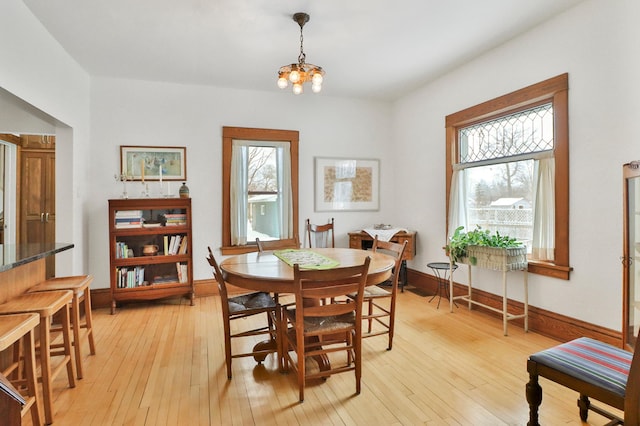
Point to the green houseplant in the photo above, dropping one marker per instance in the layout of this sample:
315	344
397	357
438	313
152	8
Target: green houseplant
457	247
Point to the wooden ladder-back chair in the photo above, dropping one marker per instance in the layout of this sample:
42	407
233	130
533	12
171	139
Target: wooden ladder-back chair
318	330
244	306
320	236
593	369
269	245
380	302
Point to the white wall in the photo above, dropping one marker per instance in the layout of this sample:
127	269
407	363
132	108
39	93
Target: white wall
126	112
596	43
37	72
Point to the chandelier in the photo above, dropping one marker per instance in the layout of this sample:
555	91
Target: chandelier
302	72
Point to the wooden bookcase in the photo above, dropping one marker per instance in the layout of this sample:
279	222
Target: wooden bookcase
137	274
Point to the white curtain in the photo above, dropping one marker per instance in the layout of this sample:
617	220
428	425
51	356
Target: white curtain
239	189
285	192
239	192
457	201
544	227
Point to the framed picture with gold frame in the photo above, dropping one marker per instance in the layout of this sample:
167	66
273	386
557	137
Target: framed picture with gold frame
153	163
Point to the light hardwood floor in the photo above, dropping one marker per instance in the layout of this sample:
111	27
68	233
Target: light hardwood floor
162	363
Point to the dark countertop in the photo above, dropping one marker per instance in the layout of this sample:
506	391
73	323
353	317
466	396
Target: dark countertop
14	255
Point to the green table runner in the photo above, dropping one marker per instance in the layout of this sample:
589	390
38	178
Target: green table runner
306	259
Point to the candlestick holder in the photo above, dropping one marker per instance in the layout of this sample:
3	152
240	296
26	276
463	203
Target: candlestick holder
145	190
123	178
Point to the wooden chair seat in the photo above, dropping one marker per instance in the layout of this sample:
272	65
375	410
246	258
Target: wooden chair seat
375	291
331	324
13	330
246	303
594	369
80	285
46	304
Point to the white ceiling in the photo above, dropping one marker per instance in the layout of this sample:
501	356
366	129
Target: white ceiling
368	48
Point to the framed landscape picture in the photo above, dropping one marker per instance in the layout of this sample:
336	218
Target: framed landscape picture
346	184
153	162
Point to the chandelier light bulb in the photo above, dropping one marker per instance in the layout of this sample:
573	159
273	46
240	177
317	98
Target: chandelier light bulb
294	77
316	88
317	78
282	83
297	88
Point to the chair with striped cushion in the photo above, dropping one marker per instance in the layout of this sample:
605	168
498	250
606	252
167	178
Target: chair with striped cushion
595	370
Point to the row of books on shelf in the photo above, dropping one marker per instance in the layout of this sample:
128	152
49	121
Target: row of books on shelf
175	244
183	272
134	277
175	219
122	250
129	218
130	277
134	219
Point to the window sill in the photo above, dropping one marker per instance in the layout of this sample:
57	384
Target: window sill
233	250
549	269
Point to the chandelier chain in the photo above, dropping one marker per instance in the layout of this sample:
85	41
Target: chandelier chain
301	56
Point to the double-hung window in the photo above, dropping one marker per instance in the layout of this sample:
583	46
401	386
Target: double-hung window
260	187
507	171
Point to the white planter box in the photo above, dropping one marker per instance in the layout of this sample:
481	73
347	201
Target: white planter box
496	258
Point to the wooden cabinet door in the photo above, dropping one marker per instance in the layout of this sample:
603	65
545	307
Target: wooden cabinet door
631	255
38	141
37	200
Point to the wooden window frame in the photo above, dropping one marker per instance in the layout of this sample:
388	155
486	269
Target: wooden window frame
253	134
555	90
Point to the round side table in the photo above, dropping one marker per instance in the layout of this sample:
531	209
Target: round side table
441	270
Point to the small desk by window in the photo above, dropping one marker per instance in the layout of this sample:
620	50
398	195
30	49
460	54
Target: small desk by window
362	240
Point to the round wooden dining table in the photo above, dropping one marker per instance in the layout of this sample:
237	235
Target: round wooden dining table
266	272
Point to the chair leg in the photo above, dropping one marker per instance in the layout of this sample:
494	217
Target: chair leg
17	354
370	320
75	315
583	405
45	363
280	325
534	398
227	348
32	380
357	347
392	324
88	320
66	334
301	363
